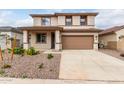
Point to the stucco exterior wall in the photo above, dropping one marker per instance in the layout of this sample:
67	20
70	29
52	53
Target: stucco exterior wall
3	42
37	21
106	38
19	36
76	20
119	33
54	21
120	45
40	46
61	20
113	40
58	44
120	41
77	27
91	20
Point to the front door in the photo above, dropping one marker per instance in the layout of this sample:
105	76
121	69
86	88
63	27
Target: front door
52	40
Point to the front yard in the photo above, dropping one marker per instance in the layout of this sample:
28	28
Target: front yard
36	66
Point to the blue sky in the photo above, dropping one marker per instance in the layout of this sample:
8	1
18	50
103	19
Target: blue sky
20	17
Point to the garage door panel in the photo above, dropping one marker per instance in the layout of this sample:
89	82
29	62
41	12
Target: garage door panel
77	42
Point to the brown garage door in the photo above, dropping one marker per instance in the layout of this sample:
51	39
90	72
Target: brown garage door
77	42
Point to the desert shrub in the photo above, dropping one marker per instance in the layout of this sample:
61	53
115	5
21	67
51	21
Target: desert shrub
2	72
3	51
122	54
12	76
50	56
41	66
19	51
32	51
6	66
24	76
51	70
9	50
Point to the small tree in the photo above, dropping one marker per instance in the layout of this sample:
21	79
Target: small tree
1	56
14	45
7	57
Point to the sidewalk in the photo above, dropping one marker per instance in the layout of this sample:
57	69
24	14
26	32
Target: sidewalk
51	81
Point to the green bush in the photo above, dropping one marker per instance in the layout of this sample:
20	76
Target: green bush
18	51
41	66
50	56
6	66
2	72
24	76
32	51
3	51
9	50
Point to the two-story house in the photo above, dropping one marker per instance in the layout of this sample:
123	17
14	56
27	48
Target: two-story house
61	31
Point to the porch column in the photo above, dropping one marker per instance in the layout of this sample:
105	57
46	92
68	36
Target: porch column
25	39
95	45
58	45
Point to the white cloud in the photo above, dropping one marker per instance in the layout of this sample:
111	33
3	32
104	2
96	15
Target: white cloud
9	18
4	17
108	18
24	22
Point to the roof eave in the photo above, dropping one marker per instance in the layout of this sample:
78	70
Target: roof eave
63	14
39	28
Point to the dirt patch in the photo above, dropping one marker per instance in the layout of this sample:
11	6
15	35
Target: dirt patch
37	66
113	53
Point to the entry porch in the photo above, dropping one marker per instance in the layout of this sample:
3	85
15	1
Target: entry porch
42	38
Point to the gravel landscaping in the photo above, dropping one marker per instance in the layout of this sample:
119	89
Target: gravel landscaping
36	66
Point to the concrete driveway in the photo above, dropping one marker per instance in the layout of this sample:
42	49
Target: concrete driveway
90	65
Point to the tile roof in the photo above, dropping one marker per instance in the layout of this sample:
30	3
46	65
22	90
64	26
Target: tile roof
9	29
54	28
42	28
111	30
64	14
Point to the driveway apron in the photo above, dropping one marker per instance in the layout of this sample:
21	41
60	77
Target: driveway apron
90	65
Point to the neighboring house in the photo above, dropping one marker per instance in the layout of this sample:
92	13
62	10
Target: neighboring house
113	38
61	31
7	35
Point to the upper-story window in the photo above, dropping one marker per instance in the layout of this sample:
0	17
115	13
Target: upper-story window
68	20
83	20
45	21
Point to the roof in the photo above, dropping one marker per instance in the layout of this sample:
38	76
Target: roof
83	30
64	14
6	28
9	29
54	28
111	30
76	14
41	28
42	15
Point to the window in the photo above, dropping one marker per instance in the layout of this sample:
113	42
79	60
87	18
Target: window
45	21
41	38
68	21
82	20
